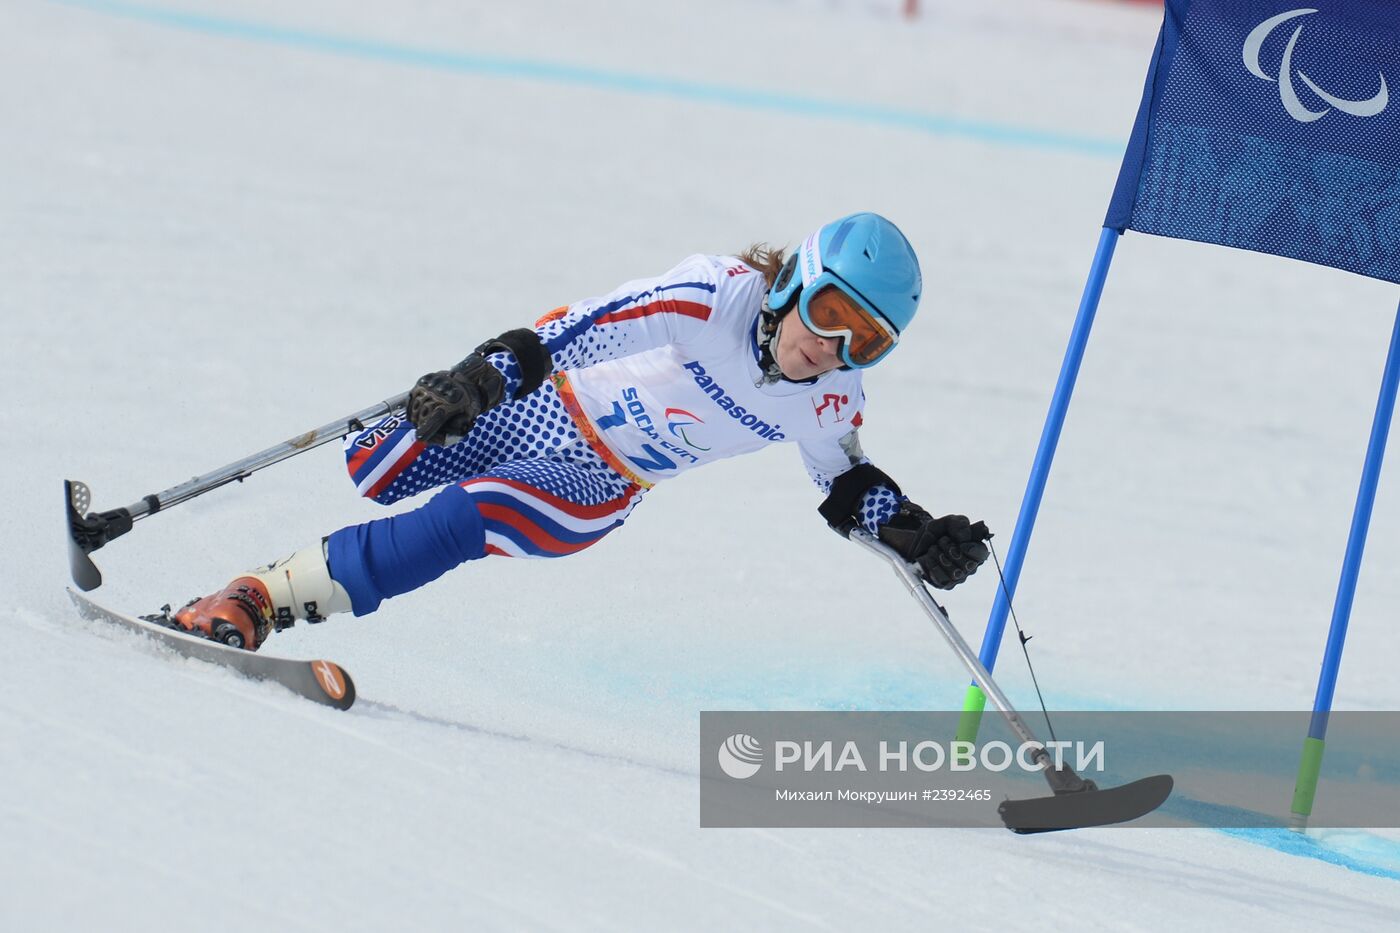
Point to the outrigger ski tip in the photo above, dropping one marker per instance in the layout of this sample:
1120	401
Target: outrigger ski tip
88	531
1079	809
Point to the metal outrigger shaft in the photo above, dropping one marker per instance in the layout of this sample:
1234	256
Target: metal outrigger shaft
88	531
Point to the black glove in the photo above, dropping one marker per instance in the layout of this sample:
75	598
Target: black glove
443	406
948	550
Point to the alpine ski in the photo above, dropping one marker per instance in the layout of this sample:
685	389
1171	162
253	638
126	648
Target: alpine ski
320	681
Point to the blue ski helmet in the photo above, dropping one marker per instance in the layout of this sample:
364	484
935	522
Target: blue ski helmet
867	258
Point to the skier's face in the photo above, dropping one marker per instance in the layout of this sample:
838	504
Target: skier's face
802	354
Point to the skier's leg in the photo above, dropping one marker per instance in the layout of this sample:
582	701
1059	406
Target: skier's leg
534	509
373	561
527	508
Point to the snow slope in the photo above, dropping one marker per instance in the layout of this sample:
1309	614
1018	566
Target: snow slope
225	223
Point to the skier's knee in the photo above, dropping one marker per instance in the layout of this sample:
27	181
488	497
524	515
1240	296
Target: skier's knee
394	555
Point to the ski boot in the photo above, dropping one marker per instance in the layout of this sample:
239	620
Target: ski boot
240	615
254	605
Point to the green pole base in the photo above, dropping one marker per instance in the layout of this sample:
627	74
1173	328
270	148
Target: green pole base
1305	789
974	701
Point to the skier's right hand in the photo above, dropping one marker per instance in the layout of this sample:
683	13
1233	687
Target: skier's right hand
444	405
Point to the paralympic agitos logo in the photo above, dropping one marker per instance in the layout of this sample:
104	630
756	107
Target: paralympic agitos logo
677	420
1287	91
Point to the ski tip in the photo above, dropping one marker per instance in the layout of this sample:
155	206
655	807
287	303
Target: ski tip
334	682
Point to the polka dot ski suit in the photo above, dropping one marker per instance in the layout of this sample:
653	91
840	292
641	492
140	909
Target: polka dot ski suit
544	476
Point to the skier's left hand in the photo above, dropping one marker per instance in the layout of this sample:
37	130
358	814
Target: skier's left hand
948	550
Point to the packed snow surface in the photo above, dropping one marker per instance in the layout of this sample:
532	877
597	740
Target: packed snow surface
225	223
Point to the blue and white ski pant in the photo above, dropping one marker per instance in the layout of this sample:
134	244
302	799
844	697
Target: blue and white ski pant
525	482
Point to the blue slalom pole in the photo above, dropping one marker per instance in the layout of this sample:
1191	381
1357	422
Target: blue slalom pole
974	701
1305	789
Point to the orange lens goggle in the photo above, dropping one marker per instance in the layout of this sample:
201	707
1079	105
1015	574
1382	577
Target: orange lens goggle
832	312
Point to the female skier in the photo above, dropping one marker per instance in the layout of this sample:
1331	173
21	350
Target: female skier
544	440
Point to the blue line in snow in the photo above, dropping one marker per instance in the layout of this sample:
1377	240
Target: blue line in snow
1291	843
1371	855
602	79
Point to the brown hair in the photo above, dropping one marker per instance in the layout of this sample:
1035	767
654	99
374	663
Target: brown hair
765	260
